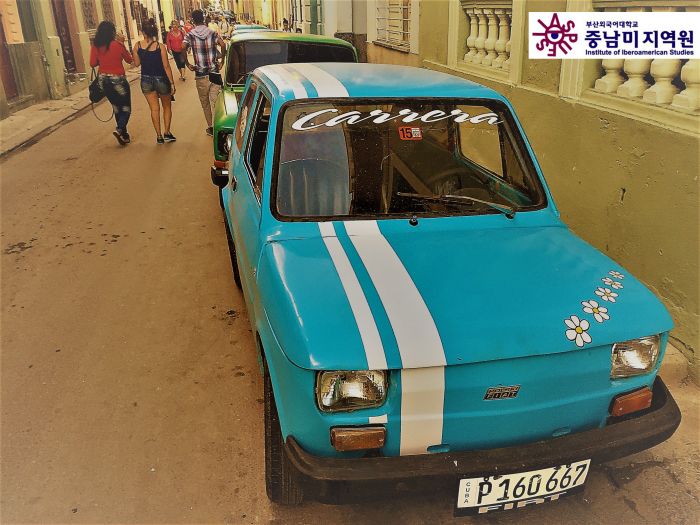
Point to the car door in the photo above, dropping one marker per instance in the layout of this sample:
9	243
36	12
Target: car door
246	198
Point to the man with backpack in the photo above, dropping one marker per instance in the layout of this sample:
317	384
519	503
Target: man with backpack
204	42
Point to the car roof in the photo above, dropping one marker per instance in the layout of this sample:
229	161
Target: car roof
288	37
339	80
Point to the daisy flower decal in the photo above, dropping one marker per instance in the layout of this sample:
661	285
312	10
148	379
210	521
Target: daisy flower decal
616	275
600	313
612	284
577	330
606	294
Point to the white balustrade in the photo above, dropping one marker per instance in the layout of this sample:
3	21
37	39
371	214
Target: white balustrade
503	38
689	98
636	70
612	79
488	37
666	82
480	41
490	43
663	71
473	29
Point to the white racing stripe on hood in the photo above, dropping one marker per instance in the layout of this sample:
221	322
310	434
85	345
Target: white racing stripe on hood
374	350
284	81
422	406
422	389
324	83
416	334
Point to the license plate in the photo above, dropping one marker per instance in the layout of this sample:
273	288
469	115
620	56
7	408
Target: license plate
512	491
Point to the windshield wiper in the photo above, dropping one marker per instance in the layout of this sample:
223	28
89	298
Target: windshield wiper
508	211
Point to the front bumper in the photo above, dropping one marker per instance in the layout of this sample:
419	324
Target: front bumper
327	477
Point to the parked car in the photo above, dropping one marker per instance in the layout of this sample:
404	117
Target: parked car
249	27
254	48
422	313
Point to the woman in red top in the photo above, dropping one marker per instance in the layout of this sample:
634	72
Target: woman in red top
174	43
108	54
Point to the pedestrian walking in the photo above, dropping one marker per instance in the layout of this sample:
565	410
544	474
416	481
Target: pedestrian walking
188	26
156	79
174	41
212	24
108	54
203	42
224	27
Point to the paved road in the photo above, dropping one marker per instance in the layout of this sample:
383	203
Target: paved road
130	390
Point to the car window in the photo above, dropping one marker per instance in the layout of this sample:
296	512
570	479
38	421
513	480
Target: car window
401	158
255	154
481	144
245	57
243	114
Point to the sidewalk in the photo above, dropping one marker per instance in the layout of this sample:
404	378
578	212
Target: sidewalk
31	123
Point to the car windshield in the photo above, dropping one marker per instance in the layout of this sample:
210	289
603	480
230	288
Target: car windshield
402	158
245	57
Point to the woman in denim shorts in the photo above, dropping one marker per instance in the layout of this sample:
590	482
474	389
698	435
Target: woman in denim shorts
156	79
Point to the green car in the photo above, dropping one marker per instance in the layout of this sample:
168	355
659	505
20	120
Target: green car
250	50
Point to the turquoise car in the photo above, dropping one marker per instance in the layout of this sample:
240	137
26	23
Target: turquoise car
250	49
423	316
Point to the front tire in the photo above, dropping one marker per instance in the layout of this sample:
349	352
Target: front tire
281	480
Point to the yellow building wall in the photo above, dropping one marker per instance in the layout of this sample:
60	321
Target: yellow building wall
626	185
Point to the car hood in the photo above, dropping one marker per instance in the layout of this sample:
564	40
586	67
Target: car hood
379	294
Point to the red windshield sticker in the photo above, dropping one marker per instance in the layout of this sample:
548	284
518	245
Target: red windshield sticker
409	133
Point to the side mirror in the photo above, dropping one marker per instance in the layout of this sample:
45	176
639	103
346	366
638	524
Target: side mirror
219	177
216	78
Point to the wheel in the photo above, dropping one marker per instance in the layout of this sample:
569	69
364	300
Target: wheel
281	482
232	253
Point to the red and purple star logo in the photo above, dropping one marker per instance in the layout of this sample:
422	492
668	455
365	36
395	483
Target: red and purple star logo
556	36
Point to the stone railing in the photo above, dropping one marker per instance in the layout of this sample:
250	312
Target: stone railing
672	83
488	33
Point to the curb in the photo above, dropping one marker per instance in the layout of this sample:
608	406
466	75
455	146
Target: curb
79	112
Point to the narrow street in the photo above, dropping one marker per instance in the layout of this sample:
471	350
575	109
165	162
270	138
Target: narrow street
130	385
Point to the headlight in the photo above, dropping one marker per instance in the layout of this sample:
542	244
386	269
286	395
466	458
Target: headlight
225	140
635	357
349	390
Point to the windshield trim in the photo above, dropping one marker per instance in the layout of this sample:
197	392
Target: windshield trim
518	136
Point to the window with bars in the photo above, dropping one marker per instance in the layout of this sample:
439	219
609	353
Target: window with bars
108	10
89	10
394	23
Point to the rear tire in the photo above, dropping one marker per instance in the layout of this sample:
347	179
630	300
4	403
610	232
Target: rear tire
281	480
232	253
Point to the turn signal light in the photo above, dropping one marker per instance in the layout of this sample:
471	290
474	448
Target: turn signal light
220	163
632	402
344	439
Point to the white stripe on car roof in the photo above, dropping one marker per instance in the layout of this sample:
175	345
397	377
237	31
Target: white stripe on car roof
326	85
369	333
284	81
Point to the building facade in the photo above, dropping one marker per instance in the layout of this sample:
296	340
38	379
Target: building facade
618	140
45	44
